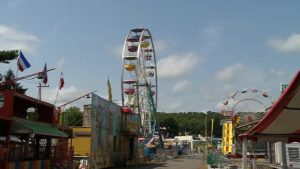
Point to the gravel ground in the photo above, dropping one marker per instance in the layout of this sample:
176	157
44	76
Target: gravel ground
181	162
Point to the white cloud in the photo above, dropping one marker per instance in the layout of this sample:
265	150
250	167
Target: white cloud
220	106
60	63
211	36
273	74
177	65
117	51
291	44
228	87
11	38
175	106
277	73
230	73
163	45
181	86
66	94
55	28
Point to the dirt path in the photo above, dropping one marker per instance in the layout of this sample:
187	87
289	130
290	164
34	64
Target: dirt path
181	162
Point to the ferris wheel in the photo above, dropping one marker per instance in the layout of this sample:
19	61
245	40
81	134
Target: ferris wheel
139	78
261	98
244	103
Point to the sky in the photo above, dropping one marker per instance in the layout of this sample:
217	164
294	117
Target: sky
205	50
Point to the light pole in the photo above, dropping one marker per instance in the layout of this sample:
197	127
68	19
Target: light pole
205	132
87	95
211	131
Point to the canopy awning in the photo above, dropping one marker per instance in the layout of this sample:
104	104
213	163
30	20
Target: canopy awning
23	126
281	123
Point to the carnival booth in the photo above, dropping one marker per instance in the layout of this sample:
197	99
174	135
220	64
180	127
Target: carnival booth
29	136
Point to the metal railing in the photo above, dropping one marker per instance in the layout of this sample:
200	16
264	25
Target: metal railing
218	160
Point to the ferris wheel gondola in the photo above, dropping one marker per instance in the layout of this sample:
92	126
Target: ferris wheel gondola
139	78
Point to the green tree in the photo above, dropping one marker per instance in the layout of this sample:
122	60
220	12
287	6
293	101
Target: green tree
193	122
72	116
217	128
171	126
12	85
7	56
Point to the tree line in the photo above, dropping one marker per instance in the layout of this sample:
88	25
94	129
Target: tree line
181	123
187	123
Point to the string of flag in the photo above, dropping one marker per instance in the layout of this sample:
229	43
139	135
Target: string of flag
23	64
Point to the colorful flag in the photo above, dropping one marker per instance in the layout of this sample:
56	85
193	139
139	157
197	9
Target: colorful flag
61	81
22	62
45	76
109	90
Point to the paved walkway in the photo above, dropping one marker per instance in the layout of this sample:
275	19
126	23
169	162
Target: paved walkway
181	162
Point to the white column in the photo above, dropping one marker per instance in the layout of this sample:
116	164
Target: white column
283	156
244	150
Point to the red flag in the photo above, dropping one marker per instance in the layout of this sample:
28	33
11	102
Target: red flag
45	76
61	81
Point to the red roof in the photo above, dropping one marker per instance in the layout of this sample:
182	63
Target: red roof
282	121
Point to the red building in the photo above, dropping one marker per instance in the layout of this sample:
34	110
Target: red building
29	135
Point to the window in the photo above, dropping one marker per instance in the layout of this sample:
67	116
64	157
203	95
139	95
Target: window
1	100
293	154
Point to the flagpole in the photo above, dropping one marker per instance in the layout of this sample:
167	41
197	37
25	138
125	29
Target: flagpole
17	66
17	72
56	96
15	87
40	91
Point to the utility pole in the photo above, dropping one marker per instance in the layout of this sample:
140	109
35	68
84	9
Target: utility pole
205	129
40	90
212	130
205	146
59	108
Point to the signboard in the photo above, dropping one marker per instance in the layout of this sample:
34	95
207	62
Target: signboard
227	113
227	138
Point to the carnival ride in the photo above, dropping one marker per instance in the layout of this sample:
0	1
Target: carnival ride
255	95
139	80
241	111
